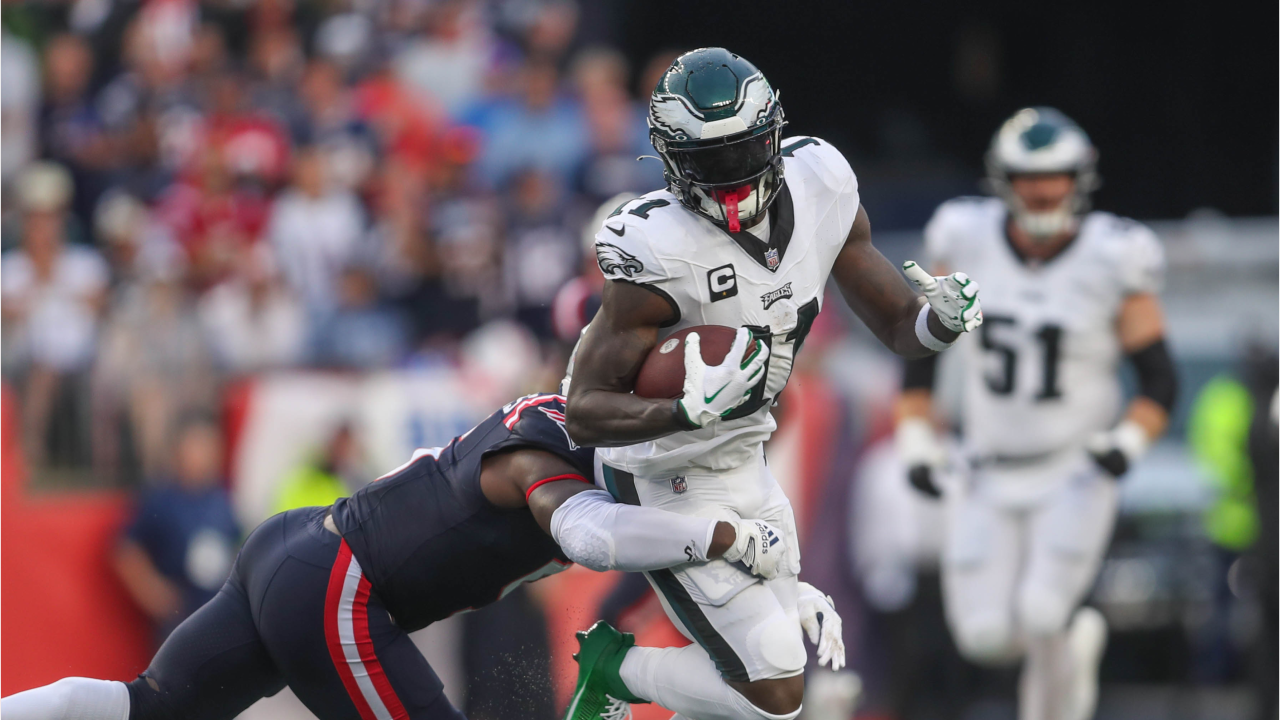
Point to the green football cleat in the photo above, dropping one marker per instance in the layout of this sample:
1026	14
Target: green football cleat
600	693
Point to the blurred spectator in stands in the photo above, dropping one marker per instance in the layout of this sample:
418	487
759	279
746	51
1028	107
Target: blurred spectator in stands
19	105
464	224
177	550
278	64
131	239
349	40
252	321
407	127
446	63
209	57
329	474
333	125
407	265
154	87
549	26
254	142
51	294
72	130
653	71
316	229
538	128
541	252
212	217
362	332
502	359
618	132
1228	420
1264	453
155	365
578	299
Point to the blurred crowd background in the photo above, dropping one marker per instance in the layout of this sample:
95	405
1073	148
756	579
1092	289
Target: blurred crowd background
256	251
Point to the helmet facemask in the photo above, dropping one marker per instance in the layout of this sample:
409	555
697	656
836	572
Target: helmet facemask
1043	226
730	181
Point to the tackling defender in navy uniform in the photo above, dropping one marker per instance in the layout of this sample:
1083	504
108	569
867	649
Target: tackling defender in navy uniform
322	599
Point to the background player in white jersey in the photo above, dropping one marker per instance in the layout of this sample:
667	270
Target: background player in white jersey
745	235
1067	295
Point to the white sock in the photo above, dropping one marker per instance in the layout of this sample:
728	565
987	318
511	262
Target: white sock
1086	641
1046	682
70	699
686	680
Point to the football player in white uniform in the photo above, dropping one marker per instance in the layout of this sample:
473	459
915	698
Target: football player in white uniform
745	235
1068	294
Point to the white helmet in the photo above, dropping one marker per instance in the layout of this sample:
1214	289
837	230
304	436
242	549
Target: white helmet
1041	140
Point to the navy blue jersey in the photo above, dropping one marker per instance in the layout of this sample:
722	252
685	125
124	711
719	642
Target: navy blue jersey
429	541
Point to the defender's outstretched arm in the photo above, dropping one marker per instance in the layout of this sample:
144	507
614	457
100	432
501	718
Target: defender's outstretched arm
600	534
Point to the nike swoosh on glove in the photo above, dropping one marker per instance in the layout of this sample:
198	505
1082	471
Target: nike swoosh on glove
713	391
954	297
758	545
825	633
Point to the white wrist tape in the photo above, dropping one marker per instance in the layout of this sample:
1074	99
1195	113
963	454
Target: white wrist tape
925	337
600	534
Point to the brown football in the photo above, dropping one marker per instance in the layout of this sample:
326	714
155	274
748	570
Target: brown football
662	375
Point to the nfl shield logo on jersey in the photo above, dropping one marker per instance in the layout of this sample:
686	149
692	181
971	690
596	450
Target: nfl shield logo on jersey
771	258
678	484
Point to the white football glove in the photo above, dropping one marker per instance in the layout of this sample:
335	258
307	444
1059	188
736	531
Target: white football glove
758	545
712	391
920	452
825	634
954	297
1116	450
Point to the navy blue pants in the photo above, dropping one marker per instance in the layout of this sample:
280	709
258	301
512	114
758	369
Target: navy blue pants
296	611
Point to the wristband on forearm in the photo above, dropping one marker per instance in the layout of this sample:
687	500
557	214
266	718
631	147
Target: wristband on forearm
682	418
925	335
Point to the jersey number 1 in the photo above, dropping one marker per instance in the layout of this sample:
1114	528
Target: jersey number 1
1050	339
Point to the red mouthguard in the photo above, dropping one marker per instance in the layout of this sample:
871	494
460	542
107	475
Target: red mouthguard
730	199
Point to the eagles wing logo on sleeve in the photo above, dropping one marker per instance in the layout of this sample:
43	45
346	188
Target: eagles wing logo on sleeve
614	259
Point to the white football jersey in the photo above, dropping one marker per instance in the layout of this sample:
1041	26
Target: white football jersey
1041	375
711	277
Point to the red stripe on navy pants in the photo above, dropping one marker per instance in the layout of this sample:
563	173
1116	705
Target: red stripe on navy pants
364	644
346	631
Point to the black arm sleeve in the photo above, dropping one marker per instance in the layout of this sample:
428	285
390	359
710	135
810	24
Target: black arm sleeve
1157	378
918	373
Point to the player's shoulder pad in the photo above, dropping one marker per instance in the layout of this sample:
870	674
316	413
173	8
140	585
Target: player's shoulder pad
966	210
639	236
538	418
1132	249
820	159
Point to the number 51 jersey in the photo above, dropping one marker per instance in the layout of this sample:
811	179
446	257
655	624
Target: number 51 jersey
713	277
1042	373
